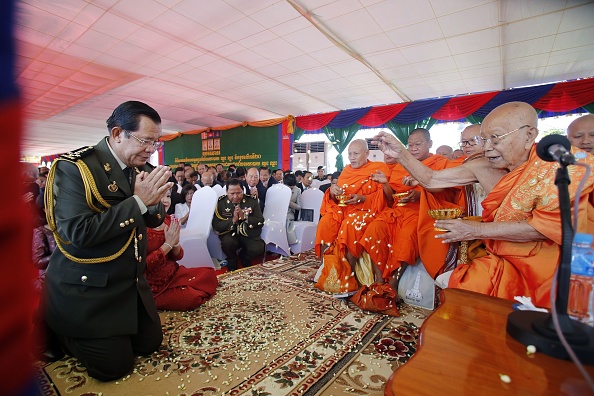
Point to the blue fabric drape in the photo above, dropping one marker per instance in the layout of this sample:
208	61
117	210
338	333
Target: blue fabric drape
527	94
419	110
347	118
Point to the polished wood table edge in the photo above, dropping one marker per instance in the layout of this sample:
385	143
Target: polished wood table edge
464	346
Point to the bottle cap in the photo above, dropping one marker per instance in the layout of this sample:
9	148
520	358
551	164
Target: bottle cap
582	239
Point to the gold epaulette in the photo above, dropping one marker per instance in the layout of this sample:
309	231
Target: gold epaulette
78	153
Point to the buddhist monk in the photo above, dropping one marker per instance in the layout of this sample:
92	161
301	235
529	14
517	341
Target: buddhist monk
446	151
521	228
391	240
581	133
341	227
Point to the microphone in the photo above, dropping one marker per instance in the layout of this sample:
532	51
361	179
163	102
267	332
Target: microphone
555	148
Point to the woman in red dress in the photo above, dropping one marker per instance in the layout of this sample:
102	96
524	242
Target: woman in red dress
175	287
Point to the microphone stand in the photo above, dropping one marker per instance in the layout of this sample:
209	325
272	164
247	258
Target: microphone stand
537	328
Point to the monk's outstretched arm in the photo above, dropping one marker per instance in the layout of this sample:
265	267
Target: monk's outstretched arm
427	177
464	230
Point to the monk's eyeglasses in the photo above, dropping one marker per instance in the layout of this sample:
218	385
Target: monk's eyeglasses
145	143
472	142
495	139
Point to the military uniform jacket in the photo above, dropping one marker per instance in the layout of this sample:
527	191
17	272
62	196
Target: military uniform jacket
95	292
251	227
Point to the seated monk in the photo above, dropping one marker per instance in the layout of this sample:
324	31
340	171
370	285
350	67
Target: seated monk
472	148
391	239
342	226
521	228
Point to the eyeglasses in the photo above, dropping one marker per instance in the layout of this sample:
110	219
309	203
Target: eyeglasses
145	143
415	145
472	142
495	139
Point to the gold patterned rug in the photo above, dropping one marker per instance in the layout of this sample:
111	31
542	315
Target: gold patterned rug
266	332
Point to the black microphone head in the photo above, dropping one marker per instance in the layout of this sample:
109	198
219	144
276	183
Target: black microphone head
542	148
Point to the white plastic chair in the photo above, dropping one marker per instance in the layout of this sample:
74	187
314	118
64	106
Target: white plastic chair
305	231
193	238
325	182
315	183
274	231
219	190
214	246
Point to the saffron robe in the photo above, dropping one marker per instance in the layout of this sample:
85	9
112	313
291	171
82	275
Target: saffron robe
526	268
343	226
393	237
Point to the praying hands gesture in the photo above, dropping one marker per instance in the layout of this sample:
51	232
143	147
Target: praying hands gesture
151	187
238	214
388	144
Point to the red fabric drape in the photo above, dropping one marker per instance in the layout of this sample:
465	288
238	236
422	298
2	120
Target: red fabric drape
285	162
462	106
567	96
315	121
381	114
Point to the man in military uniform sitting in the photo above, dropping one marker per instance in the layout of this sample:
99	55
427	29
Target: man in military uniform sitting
238	221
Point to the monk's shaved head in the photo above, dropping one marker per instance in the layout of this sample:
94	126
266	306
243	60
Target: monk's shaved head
467	140
445	150
358	143
581	133
419	143
509	132
358	153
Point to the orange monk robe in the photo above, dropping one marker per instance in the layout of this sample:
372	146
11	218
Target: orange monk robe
525	268
343	223
344	226
392	238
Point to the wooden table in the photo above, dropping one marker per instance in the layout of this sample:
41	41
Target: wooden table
464	347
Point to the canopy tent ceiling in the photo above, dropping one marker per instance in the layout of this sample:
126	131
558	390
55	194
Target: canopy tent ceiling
208	63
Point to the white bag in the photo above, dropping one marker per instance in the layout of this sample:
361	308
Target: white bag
416	287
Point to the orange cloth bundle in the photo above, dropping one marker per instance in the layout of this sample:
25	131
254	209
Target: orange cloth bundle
336	277
377	297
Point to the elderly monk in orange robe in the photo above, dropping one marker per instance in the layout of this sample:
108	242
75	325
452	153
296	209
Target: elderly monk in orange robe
521	227
391	240
341	227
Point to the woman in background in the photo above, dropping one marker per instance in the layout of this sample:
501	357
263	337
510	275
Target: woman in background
182	209
174	286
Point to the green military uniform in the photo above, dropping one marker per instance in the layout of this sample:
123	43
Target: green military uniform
95	286
244	235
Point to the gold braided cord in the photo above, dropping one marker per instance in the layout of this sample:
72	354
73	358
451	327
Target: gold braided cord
97	260
90	190
91	187
48	198
218	214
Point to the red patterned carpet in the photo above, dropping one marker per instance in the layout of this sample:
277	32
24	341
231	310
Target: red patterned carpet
268	331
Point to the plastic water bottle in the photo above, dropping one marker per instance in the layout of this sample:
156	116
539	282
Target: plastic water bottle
581	297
